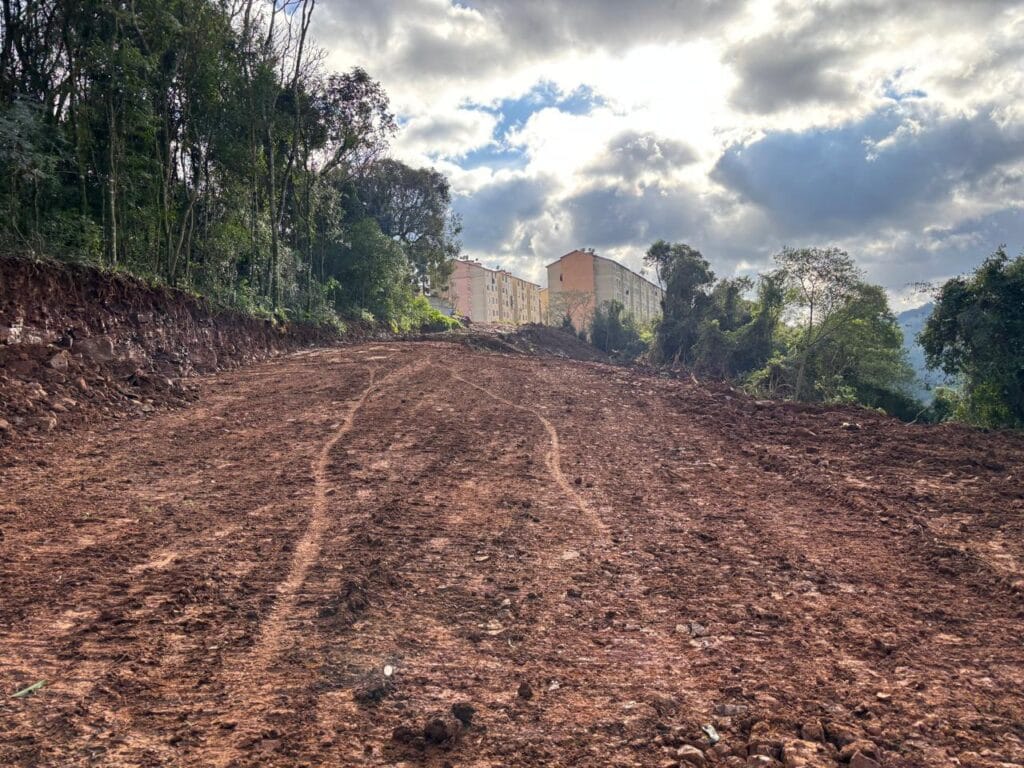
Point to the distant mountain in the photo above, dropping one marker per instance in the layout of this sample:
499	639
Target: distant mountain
912	323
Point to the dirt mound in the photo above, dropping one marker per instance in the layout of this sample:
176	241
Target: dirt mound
74	339
529	339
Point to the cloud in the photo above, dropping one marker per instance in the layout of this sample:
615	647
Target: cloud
874	172
612	216
447	135
632	155
494	215
788	69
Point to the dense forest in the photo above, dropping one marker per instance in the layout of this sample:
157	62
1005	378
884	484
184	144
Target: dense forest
204	143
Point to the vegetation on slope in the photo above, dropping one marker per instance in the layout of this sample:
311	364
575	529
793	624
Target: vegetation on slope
204	144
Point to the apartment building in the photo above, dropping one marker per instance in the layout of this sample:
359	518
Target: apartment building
581	281
492	295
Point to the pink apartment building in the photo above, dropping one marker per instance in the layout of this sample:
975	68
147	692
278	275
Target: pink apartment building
492	295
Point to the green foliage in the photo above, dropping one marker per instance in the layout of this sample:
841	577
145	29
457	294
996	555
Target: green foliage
708	325
976	332
423	317
841	344
615	332
201	143
413	206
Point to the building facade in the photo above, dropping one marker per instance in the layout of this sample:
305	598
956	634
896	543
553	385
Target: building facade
492	295
581	281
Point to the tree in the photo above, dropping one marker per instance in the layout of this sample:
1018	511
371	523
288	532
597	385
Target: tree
413	205
843	344
976	332
819	280
687	278
202	143
570	308
614	331
710	325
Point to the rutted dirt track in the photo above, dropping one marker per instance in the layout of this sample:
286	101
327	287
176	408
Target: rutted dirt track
597	561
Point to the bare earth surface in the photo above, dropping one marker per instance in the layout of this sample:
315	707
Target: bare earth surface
593	561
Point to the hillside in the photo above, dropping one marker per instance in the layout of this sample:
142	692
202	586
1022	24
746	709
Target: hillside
912	322
428	554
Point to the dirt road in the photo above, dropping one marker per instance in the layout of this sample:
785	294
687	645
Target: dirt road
315	562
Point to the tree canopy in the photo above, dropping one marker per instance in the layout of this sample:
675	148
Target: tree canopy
204	143
812	330
976	333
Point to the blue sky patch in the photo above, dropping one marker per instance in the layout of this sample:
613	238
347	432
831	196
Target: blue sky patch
513	114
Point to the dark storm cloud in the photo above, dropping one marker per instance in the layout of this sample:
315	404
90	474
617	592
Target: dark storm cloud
490	215
631	154
871	172
610	24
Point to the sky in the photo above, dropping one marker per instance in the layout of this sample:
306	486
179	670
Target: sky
891	128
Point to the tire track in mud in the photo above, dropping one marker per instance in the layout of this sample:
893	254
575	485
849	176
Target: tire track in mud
554	459
257	663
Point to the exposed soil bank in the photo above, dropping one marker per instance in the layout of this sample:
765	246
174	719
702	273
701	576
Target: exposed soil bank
75	339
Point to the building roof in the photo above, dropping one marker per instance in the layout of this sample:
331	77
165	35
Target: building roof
612	261
475	263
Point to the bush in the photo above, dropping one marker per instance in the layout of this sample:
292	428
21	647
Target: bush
425	318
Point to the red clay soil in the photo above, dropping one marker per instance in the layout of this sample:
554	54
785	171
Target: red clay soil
422	554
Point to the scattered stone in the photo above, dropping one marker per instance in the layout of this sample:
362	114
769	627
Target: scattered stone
765	739
47	422
862	761
840	734
463	711
60	361
442	730
81	384
812	731
525	692
372	690
798	753
690	755
99	349
404	734
697	630
851	426
5	427
865	747
712	734
664	705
